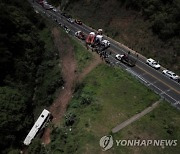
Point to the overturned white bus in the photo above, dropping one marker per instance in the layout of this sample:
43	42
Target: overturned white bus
39	124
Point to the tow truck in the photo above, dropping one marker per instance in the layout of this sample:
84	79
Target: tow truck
126	59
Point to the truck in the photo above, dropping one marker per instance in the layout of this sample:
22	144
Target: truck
126	59
95	40
90	39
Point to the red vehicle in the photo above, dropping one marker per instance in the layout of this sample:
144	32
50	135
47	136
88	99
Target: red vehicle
78	22
90	38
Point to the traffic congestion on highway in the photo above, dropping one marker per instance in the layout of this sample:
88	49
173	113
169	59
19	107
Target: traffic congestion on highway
162	81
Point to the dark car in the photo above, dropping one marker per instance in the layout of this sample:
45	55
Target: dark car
66	15
63	14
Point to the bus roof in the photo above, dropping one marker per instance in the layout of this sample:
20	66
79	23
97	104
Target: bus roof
39	122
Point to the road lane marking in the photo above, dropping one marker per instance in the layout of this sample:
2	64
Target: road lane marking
142	74
165	92
159	80
152	83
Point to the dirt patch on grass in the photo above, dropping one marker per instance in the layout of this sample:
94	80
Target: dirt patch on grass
68	63
96	61
68	71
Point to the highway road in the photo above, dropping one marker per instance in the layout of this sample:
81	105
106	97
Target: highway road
154	79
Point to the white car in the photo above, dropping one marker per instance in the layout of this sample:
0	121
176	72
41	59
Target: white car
106	43
153	63
71	20
170	74
50	6
118	56
54	10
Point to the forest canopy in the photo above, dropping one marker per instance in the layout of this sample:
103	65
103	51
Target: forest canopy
22	52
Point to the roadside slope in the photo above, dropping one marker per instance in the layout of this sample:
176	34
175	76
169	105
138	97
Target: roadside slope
68	70
58	108
69	64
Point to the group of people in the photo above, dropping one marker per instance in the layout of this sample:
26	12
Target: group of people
104	55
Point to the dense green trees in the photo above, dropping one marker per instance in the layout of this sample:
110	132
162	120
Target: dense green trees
20	45
15	116
164	16
22	56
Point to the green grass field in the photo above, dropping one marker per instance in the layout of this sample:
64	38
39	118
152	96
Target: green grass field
82	56
106	98
161	124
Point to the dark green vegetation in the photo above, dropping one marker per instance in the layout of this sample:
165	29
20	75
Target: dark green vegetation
29	71
48	76
151	27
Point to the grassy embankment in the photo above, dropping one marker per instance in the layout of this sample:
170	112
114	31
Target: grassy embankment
106	98
82	56
161	124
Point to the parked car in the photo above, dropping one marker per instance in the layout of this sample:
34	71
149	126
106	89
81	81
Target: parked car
171	75
55	10
66	15
71	20
60	24
80	35
78	22
66	29
151	62
63	14
50	6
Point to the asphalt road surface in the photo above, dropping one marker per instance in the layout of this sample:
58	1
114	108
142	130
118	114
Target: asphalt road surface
154	79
